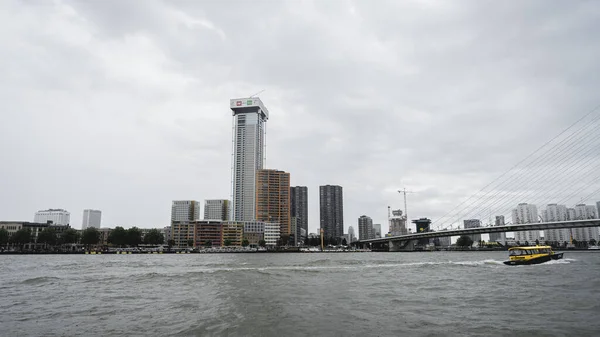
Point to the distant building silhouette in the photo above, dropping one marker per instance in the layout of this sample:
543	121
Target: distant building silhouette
185	210
91	218
299	210
365	228
273	198
217	209
473	223
331	204
397	223
524	214
58	216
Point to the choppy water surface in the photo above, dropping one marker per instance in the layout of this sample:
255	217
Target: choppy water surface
369	294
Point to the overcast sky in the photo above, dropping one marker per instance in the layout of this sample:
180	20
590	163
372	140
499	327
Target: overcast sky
123	106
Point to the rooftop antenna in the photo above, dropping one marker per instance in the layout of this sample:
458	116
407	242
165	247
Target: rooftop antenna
257	93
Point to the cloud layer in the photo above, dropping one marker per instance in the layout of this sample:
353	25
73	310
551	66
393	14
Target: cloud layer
123	105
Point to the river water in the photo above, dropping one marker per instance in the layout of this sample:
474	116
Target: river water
337	294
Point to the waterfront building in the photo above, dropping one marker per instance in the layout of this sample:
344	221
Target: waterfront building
397	223
273	198
585	212
217	209
58	216
254	231
167	231
272	233
145	231
182	232
299	210
232	232
208	230
303	236
34	227
422	226
571	213
526	213
444	241
91	218
314	236
331	204
294	230
185	210
473	223
499	237
552	213
365	227
351	234
598	208
250	117
104	233
376	231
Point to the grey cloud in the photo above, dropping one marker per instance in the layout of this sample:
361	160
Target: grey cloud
125	102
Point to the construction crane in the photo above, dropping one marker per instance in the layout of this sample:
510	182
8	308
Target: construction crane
404	191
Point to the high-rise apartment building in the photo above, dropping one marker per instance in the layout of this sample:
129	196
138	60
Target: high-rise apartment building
185	210
331	204
58	216
473	223
351	234
365	228
250	117
376	231
585	212
299	208
91	218
273	198
499	237
216	209
552	213
523	214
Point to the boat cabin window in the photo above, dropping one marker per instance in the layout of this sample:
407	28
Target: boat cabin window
515	252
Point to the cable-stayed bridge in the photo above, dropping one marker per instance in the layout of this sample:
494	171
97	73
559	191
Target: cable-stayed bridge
403	242
559	177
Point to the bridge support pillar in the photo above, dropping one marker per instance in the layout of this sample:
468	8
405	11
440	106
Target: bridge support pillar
402	246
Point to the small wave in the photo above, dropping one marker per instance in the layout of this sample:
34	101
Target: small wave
39	280
551	262
479	263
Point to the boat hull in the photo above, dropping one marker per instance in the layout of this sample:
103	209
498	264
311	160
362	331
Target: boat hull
536	260
556	256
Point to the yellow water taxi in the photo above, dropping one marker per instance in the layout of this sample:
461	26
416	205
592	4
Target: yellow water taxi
531	255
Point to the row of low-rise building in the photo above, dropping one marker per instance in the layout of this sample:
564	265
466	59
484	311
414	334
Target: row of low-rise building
34	227
217	233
